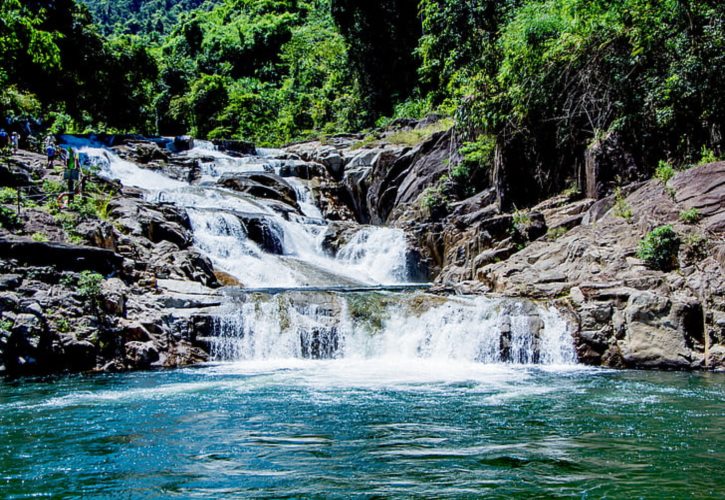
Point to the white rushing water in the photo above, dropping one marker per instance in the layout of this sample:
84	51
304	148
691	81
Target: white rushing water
263	247
393	327
372	257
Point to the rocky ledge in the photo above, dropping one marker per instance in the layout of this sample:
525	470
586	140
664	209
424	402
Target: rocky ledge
79	285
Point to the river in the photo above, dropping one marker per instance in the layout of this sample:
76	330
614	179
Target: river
366	429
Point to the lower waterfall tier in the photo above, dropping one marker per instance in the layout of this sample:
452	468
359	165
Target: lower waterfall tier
327	325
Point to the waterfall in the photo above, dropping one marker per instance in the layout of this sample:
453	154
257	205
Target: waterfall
264	247
393	326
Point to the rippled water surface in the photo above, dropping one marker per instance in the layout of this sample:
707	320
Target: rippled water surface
365	429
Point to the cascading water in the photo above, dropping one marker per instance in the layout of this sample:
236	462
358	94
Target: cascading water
392	326
263	247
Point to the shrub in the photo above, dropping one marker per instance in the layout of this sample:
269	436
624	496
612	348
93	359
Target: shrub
5	325
86	207
8	195
89	286
53	187
707	156
664	172
8	217
418	135
522	219
39	237
659	248
434	200
62	325
690	216
621	206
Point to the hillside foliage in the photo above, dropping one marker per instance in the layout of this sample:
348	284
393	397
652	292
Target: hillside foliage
538	80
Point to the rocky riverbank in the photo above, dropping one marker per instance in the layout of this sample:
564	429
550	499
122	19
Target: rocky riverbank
115	282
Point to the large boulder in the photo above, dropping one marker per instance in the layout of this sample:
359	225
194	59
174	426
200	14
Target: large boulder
235	148
265	232
301	169
182	143
156	222
261	185
141	354
660	333
60	255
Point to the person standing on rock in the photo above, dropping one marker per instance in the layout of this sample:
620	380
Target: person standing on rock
15	141
50	150
72	172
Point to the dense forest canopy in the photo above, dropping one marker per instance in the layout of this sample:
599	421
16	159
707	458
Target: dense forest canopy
539	80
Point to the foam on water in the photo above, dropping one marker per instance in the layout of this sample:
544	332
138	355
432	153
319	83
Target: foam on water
128	173
395	328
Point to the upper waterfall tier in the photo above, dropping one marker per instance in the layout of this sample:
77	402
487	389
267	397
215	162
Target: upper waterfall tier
251	234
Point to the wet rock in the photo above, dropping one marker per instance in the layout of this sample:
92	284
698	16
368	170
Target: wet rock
183	354
143	152
226	279
182	143
328	156
337	234
265	232
79	355
302	170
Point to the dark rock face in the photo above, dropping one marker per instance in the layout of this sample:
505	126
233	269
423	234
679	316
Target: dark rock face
235	148
608	163
182	143
302	170
261	185
142	152
70	257
265	233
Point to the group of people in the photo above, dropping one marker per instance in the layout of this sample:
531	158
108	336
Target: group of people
9	141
